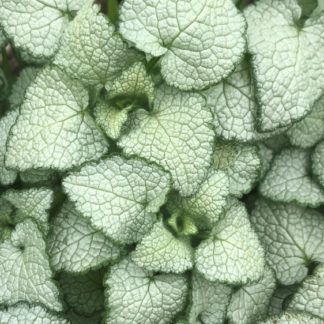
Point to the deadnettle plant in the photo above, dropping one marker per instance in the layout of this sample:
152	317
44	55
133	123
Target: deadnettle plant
162	161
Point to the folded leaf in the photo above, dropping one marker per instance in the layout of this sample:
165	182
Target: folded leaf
266	157
134	83
161	251
33	203
318	162
25	273
233	253
138	296
199	41
75	246
24	80
111	119
309	297
119	196
176	134
209	301
206	206
54	128
292	237
91	51
289	179
25	314
234	105
240	162
279	299
249	304
309	130
288	60
7	176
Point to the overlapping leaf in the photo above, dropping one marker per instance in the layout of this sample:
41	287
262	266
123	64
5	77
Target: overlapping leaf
25	273
288	60
91	51
119	196
161	251
75	246
176	134
289	179
240	162
36	26
292	237
138	296
233	253
200	42
54	128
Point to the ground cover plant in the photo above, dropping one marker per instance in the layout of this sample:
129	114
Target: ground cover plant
162	161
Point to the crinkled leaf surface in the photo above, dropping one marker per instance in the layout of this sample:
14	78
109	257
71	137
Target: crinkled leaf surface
289	179
84	293
74	245
161	251
310	296
25	314
293	318
54	129
199	41
91	51
233	253
241	163
33	203
249	304
176	134
309	130
234	105
292	237
318	162
266	156
135	295
288	60
36	26
25	273
6	176
207	204
209	301
18	91
119	196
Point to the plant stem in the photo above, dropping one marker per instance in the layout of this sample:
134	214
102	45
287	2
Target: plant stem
112	8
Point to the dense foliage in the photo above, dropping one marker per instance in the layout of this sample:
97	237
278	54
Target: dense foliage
162	161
